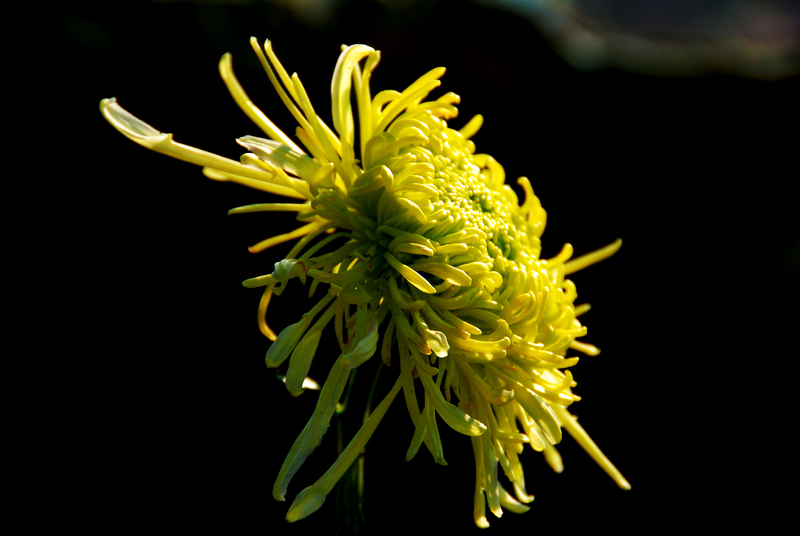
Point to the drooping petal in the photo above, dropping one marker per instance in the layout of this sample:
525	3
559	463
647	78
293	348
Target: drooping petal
310	499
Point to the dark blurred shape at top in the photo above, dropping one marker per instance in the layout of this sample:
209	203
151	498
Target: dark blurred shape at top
672	38
753	38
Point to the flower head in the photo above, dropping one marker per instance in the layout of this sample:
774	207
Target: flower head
425	257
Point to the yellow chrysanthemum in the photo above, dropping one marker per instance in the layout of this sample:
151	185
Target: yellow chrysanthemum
424	243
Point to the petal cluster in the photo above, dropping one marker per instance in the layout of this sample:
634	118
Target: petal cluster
425	257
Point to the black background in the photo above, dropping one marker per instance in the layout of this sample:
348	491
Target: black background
173	422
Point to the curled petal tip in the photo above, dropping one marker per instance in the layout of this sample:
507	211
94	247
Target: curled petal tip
304	505
482	522
129	125
295	392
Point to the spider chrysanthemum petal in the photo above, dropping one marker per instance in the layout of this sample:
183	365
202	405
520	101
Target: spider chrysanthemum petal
424	244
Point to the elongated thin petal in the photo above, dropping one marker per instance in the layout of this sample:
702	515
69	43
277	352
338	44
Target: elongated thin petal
247	106
591	258
576	431
137	130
